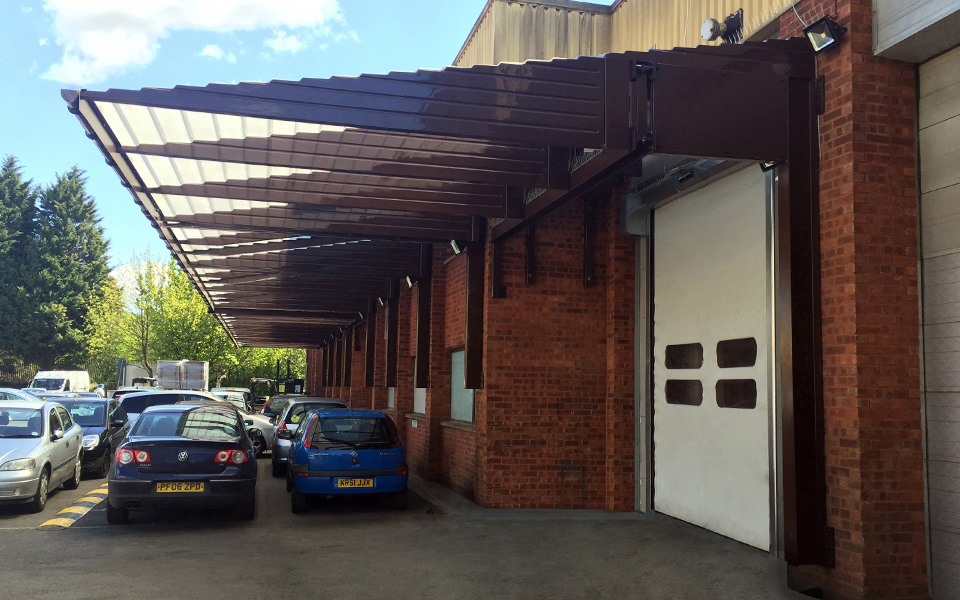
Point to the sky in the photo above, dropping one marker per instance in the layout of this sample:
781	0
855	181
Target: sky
49	45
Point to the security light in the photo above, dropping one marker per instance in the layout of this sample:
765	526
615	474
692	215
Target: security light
456	248
409	281
824	34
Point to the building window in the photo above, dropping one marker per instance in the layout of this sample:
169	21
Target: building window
391	397
683	356
737	353
737	393
684	391
420	401
461	398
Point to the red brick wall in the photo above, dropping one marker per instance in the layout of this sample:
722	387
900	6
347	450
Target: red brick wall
459	461
541	426
868	221
455	303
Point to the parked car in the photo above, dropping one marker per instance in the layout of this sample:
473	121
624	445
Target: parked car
31	390
40	448
289	421
129	389
104	426
62	381
134	403
12	394
55	396
239	397
347	452
275	406
195	455
260	429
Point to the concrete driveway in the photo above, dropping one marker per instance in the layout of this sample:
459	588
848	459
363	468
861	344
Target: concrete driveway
362	550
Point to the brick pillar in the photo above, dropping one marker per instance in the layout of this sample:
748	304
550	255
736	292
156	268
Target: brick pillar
403	394
378	394
438	391
868	244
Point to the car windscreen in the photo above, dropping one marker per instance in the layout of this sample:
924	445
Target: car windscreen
198	424
21	422
231	397
136	404
354	432
47	384
296	412
277	405
86	414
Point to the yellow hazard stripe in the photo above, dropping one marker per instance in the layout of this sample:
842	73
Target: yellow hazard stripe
70	515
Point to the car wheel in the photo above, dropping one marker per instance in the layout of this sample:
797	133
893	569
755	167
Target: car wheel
43	487
289	482
74	482
298	502
278	469
116	516
259	446
398	500
104	464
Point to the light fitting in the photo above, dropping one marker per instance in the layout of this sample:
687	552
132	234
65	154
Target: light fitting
824	34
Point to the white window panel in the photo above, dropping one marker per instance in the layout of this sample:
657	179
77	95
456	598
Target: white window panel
420	400
391	397
461	398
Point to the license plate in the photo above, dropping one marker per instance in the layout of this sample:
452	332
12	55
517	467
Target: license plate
354	483
180	486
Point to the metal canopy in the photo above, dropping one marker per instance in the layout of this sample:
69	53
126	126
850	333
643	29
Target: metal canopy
315	194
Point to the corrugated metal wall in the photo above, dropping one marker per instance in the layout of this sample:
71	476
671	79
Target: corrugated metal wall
642	24
518	31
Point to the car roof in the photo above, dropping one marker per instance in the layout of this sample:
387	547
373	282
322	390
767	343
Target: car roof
181	407
87	399
230	389
352	412
302	399
26	404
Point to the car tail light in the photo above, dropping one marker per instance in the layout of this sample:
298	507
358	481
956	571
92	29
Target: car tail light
237	457
402	468
283	426
125	456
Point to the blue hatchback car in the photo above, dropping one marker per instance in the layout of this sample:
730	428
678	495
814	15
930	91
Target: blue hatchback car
346	452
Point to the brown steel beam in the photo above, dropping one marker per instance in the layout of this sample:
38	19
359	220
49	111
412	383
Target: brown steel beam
473	346
393	325
589	274
530	255
407	232
807	539
497	287
346	347
421	369
283	313
370	352
325	357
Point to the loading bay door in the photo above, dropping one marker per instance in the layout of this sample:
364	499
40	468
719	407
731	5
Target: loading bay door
712	354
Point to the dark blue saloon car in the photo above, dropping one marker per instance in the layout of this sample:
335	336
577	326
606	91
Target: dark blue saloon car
347	452
184	455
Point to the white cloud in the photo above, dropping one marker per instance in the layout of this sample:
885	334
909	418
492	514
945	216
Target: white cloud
281	42
33	68
43	41
216	52
25	9
101	38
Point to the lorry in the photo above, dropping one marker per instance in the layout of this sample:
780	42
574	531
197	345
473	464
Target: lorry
183	374
62	381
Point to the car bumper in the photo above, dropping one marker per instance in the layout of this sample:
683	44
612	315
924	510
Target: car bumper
93	458
319	482
218	493
280	450
22	488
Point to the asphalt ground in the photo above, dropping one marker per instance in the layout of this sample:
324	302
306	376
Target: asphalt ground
361	549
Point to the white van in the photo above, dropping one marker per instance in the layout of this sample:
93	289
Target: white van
62	381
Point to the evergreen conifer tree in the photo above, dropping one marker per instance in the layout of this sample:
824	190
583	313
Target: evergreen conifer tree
18	257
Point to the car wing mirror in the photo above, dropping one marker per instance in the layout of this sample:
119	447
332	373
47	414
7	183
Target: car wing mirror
285	434
248	423
57	434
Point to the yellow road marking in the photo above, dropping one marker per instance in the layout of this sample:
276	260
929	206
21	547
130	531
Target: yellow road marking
75	513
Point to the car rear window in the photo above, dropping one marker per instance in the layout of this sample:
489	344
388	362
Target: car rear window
354	432
198	424
298	410
136	404
87	414
277	405
20	422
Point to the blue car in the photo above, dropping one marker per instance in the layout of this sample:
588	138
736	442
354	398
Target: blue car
190	455
347	452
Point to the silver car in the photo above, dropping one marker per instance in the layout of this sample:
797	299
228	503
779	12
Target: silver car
266	425
40	448
289	420
12	394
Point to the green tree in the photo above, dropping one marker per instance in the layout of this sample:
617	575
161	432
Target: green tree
72	261
18	257
106	335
